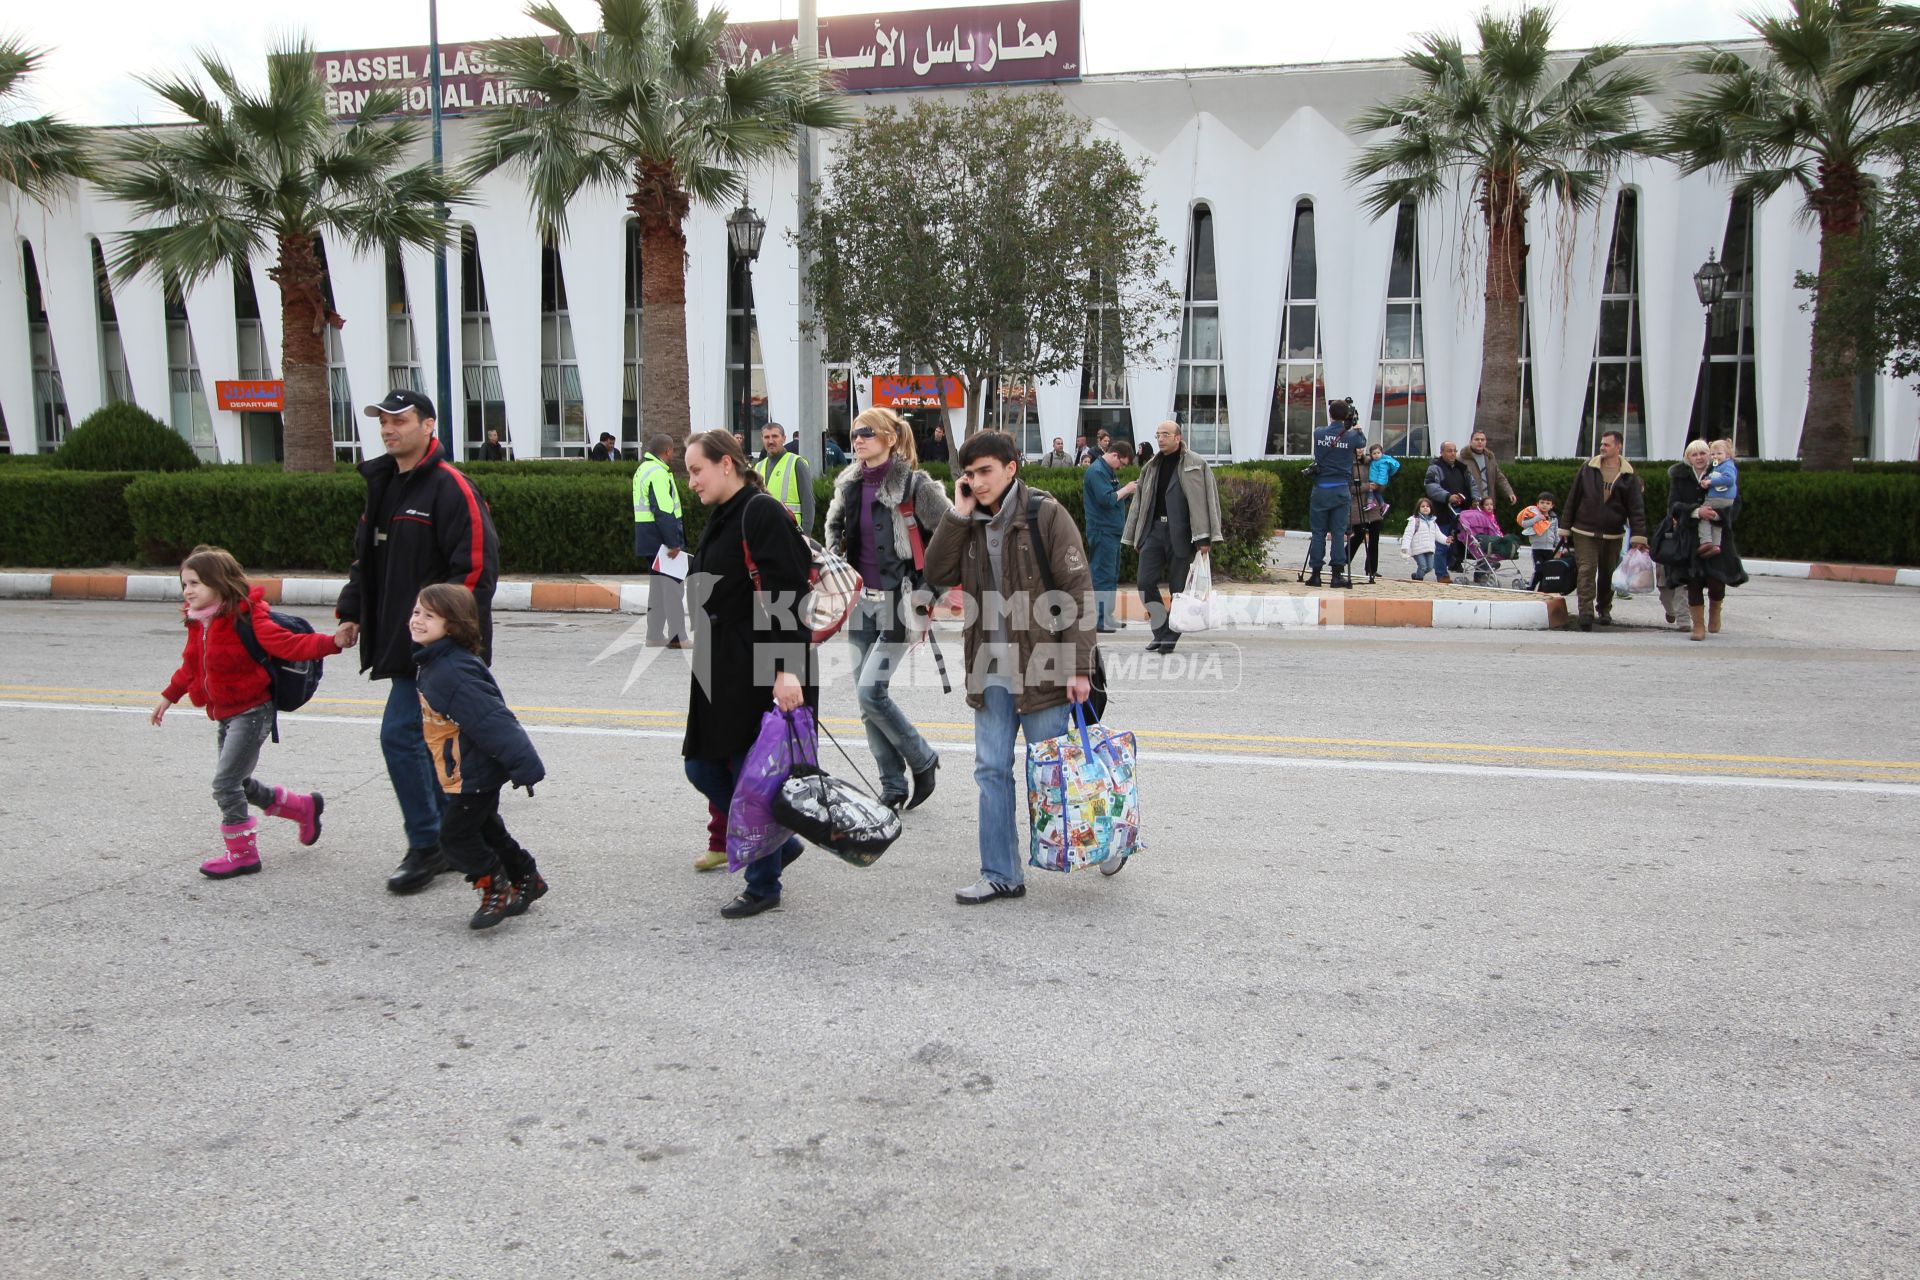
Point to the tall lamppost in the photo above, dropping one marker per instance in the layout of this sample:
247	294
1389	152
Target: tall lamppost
745	230
443	360
1709	282
810	426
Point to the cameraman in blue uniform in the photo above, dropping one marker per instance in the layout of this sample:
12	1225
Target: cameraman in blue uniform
1334	446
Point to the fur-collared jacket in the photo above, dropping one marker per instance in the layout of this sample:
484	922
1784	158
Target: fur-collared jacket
895	551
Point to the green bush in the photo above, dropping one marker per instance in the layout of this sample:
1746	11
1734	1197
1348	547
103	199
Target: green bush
125	437
64	519
268	520
26	459
580	520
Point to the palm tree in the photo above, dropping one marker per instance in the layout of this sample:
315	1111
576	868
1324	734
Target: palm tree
1503	125
39	157
1794	117
267	173
650	106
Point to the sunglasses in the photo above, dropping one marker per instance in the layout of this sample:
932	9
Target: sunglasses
864	433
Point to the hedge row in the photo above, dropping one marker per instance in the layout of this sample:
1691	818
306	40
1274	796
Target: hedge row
578	519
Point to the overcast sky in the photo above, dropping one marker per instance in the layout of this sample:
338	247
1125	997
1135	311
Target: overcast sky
98	46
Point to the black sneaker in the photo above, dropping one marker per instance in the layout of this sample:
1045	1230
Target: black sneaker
532	887
499	898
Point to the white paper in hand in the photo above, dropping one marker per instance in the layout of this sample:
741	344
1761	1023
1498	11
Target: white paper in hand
674	567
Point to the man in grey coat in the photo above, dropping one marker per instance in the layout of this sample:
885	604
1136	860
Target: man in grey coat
1175	516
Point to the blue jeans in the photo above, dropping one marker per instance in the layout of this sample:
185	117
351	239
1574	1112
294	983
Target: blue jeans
714	779
1422	564
896	745
1327	512
994	728
1103	559
409	767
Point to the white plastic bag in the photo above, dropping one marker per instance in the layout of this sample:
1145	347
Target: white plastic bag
1634	573
1195	609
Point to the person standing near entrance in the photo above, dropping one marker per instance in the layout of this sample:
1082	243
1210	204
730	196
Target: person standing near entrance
657	528
1176	517
1605	505
424	523
606	450
491	450
786	476
1337	448
936	450
1104	500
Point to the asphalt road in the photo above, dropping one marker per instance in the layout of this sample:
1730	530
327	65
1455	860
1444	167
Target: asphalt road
1453	954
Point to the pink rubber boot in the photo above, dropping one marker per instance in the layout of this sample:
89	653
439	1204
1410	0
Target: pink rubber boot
303	808
241	857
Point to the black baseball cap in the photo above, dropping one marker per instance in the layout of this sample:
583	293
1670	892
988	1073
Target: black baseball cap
399	400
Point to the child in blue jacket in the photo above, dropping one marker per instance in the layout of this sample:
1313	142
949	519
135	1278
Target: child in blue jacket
1381	467
477	747
1723	490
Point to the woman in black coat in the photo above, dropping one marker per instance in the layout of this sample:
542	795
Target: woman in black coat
746	659
1706	578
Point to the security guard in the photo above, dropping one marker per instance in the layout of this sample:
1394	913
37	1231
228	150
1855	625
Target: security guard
787	476
656	528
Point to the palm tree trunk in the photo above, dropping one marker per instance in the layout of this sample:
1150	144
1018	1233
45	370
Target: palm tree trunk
304	316
661	209
1826	434
1498	410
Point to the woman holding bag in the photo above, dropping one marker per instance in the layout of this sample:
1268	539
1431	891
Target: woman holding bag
747	657
884	512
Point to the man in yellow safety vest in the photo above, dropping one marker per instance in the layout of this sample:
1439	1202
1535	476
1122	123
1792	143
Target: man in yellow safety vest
659	537
787	476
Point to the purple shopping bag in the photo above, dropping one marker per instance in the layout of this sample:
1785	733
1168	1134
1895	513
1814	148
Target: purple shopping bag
786	739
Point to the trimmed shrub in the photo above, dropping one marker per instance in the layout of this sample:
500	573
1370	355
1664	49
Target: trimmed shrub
64	519
125	437
268	520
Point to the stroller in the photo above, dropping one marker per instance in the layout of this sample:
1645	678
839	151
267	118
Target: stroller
1493	561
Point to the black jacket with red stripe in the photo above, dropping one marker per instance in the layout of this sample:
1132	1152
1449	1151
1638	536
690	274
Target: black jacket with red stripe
440	531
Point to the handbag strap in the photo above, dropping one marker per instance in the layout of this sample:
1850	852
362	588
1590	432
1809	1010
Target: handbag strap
914	536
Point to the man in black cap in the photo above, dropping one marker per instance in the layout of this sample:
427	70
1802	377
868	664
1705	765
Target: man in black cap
424	523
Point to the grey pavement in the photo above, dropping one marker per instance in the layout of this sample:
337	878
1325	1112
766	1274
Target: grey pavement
1452	955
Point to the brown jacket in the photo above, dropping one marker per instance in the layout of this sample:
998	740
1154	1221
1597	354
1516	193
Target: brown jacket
1495	479
958	556
1595	510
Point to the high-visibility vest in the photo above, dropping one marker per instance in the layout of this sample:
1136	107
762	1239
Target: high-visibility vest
654	491
782	478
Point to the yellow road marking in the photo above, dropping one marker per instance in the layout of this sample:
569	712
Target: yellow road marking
1363	748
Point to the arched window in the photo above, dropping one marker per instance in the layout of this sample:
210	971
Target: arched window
346	428
115	386
486	402
1200	393
51	419
1528	437
1400	388
563	413
186	395
1300	371
1103	371
403	352
1723	400
1616	399
632	414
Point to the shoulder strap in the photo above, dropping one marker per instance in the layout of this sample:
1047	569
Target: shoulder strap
915	538
243	627
1035	499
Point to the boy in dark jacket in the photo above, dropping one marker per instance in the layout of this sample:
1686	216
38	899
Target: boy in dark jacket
477	747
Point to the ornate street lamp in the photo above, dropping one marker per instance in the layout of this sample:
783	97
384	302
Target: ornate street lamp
1709	283
745	230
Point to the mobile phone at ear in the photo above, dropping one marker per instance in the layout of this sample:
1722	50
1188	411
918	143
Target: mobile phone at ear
964	487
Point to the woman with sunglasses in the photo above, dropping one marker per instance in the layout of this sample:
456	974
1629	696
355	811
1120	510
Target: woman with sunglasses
883	513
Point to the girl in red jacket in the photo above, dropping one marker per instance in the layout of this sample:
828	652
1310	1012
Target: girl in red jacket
218	673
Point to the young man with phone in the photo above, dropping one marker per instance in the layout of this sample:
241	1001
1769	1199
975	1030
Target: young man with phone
1029	651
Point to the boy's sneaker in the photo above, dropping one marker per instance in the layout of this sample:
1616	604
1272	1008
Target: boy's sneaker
532	887
499	898
985	890
711	860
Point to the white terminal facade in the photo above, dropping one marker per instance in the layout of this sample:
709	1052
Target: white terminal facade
1292	293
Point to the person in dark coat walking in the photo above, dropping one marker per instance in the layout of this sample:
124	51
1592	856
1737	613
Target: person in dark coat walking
1103	500
1706	578
424	523
1605	506
747	658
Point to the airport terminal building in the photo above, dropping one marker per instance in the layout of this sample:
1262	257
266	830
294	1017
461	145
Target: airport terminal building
1291	293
